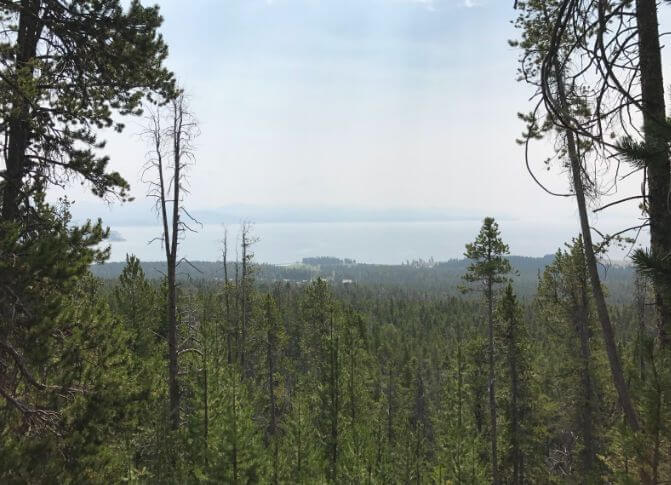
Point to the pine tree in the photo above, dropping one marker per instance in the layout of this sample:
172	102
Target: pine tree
170	132
357	405
324	349
458	441
237	442
564	293
521	450
300	456
87	438
67	69
136	303
274	340
488	268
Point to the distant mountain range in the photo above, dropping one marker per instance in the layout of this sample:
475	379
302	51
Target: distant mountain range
141	212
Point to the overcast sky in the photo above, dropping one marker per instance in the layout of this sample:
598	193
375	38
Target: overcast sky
349	103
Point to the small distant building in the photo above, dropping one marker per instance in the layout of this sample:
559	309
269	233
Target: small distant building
347	282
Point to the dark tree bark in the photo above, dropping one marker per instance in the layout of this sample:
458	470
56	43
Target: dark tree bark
243	298
206	403
19	136
492	389
171	256
656	137
588	453
590	258
173	143
334	401
515	417
488	268
271	350
227	301
247	240
390	405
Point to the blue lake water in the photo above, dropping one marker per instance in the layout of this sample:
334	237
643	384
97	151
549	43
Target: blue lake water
374	242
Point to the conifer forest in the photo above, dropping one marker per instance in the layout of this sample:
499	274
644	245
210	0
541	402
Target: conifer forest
490	368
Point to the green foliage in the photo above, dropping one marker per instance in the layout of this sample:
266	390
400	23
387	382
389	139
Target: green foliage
72	384
658	268
88	439
367	385
236	449
384	381
487	254
84	62
566	306
521	435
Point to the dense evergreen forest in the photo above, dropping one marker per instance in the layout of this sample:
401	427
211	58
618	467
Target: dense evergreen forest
424	276
491	369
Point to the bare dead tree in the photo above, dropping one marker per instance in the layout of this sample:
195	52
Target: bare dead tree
227	299
171	130
247	240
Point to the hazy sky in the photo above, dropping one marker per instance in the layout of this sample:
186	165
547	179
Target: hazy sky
349	103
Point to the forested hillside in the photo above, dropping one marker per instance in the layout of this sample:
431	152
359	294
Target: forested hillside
314	382
422	276
488	369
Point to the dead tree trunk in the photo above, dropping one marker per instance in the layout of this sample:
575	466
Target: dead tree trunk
247	240
243	297
227	301
171	152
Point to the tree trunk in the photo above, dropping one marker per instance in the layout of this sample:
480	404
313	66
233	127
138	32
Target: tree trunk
270	357
590	258
234	451
460	378
206	405
30	26
352	396
656	422
639	304
333	384
492	389
515	418
656	135
460	401
172	269
390	407
588	452
173	383
243	299
299	443
227	302
236	300
173	386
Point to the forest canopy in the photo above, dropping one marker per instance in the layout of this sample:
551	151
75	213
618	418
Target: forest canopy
488	368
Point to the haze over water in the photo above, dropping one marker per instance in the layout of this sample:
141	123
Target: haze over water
366	242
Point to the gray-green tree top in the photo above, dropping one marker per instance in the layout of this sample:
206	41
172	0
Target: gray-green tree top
488	253
512	340
489	267
66	69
